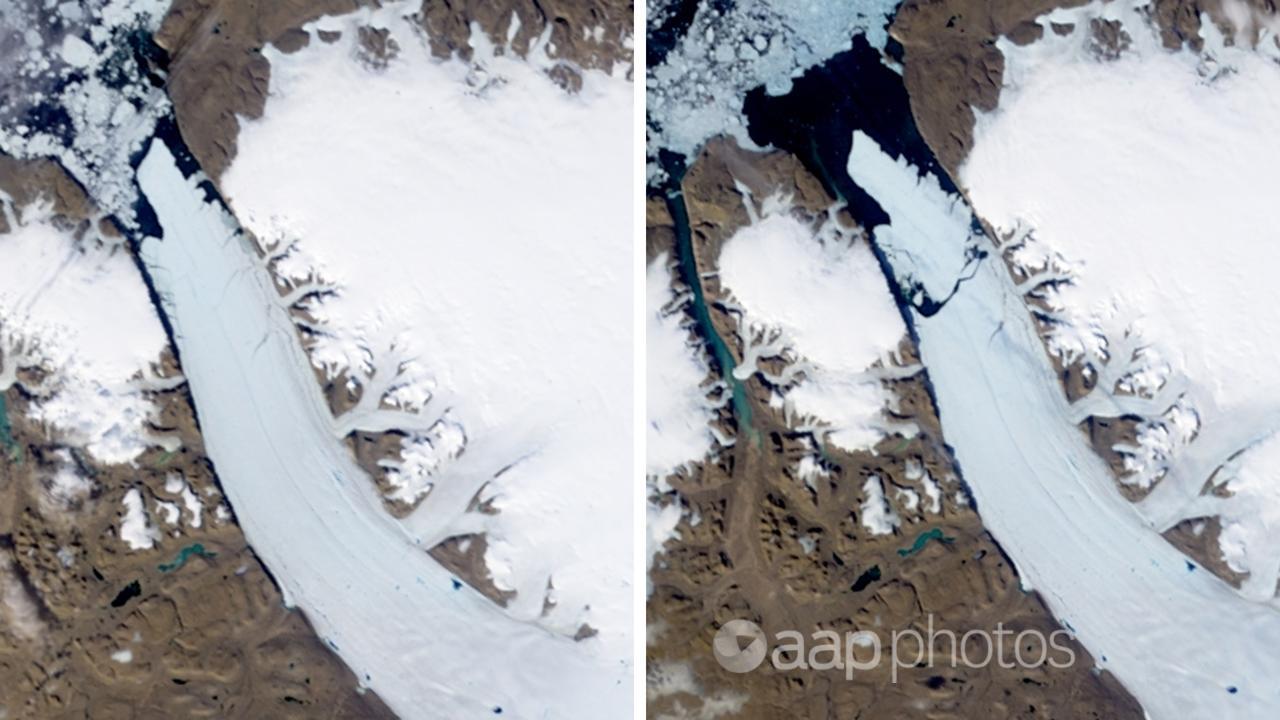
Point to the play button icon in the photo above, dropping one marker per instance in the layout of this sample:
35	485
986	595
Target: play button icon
740	646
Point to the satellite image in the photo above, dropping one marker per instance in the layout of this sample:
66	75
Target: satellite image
958	359
689	360
316	359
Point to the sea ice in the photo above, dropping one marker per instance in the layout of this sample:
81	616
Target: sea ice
697	91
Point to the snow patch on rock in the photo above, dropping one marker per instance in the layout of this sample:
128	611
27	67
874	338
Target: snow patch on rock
136	529
878	515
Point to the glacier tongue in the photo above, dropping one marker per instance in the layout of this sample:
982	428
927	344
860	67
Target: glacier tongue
1181	640
428	646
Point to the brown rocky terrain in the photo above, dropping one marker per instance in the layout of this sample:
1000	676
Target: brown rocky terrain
217	70
573	24
28	181
759	543
952	66
199	620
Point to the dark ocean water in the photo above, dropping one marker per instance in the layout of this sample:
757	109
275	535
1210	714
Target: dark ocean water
853	90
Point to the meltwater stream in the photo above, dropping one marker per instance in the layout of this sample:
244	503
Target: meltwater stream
430	647
1185	644
690	274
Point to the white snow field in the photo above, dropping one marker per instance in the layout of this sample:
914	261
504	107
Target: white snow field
678	378
812	293
472	224
427	644
679	411
78	310
1185	643
1161	239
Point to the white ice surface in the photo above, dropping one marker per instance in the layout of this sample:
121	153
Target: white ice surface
429	646
476	218
195	510
1177	637
676	376
136	528
678	414
911	239
916	471
1168	230
878	516
83	306
813	292
1251	525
